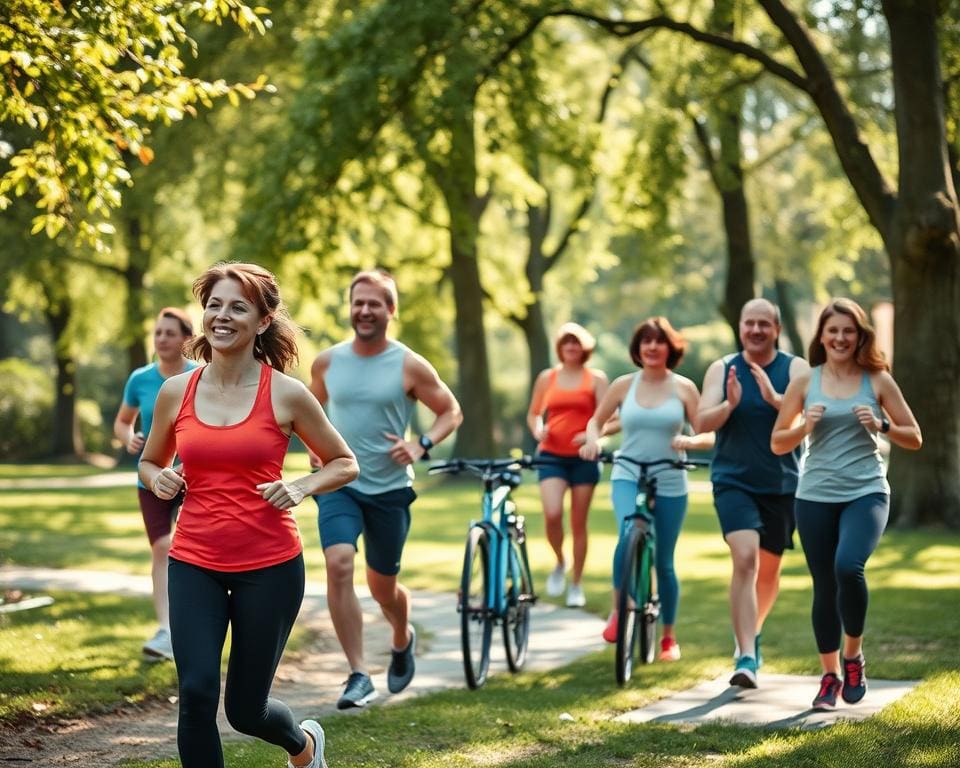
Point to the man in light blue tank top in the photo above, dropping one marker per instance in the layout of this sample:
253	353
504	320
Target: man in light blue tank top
752	488
369	387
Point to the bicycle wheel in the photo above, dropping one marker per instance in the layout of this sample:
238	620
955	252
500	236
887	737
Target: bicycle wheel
476	623
630	618
648	602
519	591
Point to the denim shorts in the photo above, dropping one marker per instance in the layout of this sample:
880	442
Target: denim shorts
573	469
382	518
771	515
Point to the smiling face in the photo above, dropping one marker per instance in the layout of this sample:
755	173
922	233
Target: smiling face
369	312
230	319
571	350
168	339
654	351
839	337
759	330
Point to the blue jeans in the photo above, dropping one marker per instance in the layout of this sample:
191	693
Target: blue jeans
668	514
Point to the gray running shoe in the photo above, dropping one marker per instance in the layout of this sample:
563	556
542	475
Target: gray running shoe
158	647
358	693
314	731
402	665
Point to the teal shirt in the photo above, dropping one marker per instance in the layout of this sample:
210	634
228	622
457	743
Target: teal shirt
365	399
841	461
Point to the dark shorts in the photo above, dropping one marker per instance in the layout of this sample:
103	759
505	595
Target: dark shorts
158	514
382	518
573	469
771	515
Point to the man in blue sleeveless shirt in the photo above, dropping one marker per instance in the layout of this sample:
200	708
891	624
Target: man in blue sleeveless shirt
753	489
369	387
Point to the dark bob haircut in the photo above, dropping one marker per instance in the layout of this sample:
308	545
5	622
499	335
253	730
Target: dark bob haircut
658	328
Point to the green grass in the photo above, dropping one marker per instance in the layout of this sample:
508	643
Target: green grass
913	632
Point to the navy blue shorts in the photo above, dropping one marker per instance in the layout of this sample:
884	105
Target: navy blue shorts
771	515
573	469
382	518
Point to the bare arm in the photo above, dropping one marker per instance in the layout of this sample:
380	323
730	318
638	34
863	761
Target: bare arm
904	430
605	409
123	429
154	468
535	411
792	423
424	384
318	387
714	409
690	397
300	408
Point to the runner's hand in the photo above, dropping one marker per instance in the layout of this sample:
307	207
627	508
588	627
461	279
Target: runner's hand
734	388
167	484
282	495
812	417
767	392
867	417
135	443
402	451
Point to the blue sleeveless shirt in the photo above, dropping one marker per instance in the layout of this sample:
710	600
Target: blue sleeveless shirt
842	459
365	398
743	457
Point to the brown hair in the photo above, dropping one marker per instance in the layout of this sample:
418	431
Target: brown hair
867	355
379	278
174	313
276	346
578	332
658	328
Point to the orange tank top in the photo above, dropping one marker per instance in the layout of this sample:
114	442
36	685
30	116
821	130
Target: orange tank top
225	524
568	411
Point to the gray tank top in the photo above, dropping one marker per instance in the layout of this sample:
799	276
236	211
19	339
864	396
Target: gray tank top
647	433
841	460
365	398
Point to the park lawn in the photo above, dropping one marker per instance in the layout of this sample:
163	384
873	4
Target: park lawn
913	632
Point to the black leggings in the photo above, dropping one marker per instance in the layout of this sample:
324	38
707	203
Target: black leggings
260	606
837	539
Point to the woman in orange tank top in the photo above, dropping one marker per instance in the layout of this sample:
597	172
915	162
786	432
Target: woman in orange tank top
236	557
563	400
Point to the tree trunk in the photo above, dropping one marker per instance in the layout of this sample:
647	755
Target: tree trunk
458	184
66	441
138	262
788	317
926	274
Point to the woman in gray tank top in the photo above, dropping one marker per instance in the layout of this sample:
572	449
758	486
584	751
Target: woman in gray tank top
843	500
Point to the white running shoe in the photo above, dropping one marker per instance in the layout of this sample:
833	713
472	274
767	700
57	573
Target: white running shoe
159	647
313	730
556	581
575	596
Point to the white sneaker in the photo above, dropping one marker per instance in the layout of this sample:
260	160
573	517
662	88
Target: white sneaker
158	647
575	597
314	731
556	581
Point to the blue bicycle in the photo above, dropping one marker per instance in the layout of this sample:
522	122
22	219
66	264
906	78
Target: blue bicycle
638	604
496	586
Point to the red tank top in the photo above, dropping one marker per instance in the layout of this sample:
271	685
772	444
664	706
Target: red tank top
568	411
224	524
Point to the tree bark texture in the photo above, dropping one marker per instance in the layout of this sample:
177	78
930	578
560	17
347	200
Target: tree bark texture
138	262
66	440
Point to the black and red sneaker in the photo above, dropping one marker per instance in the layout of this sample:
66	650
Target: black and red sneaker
830	686
854	679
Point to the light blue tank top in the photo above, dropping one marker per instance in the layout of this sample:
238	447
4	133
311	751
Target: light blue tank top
647	433
841	461
365	399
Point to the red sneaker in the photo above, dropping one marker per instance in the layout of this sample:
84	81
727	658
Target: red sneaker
610	631
669	649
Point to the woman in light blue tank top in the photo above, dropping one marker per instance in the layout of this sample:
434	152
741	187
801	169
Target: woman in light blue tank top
843	498
654	405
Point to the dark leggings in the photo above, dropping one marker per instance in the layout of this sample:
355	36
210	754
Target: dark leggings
837	539
260	606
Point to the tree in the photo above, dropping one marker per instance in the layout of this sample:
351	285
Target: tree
84	79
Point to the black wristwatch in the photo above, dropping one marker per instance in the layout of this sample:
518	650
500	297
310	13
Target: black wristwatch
884	425
426	443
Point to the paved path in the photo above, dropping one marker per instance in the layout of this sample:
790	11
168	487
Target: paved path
309	682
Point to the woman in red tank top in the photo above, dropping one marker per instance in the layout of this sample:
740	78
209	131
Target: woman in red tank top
236	557
563	400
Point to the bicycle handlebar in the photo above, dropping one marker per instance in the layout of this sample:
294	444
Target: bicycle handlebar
687	464
481	467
